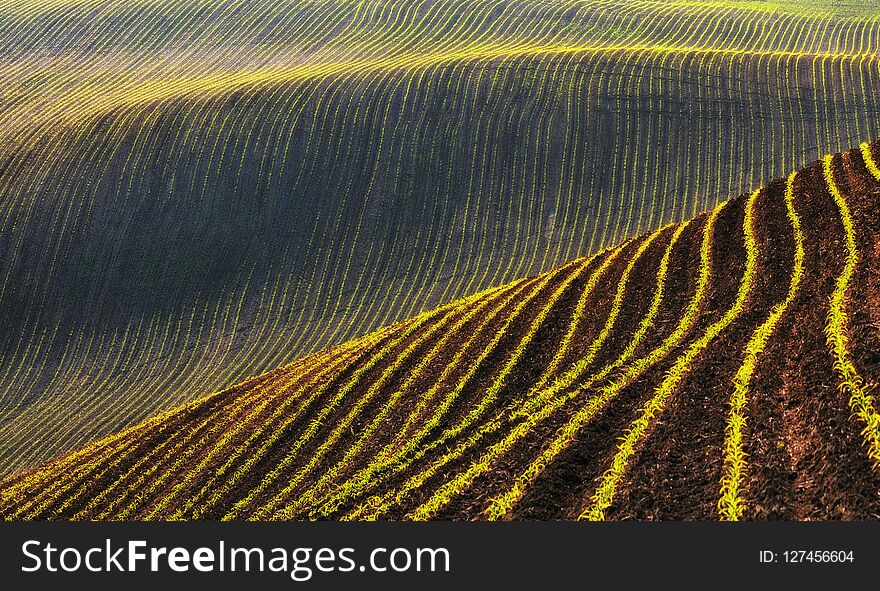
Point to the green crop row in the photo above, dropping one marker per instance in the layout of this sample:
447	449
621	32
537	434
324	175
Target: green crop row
731	503
604	494
851	383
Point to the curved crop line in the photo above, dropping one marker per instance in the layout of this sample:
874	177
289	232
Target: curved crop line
324	411
861	402
20	494
499	48
87	470
320	486
188	95
200	505
870	163
411	452
604	495
375	506
501	504
428	318
463	480
85	483
538	393
247	81
498	383
731	503
148	473
406	437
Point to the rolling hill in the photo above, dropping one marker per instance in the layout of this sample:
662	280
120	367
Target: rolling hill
192	193
723	367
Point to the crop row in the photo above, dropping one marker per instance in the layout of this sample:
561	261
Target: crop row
195	194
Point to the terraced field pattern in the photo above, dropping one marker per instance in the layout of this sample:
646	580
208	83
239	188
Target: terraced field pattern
439	259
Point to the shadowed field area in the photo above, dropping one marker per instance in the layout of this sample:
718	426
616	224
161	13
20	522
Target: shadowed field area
192	193
724	367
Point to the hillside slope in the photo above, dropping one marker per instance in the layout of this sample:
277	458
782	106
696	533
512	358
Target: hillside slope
720	368
196	192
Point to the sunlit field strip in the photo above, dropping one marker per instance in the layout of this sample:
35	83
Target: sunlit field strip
313	369
290	399
101	462
216	450
463	480
614	49
198	85
604	494
546	396
315	424
536	407
731	503
126	497
374	506
861	401
319	486
18	491
61	501
410	452
150	482
160	336
277	503
364	478
542	404
198	504
501	504
870	163
29	478
542	393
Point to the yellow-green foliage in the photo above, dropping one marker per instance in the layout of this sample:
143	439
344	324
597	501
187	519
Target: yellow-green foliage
278	422
501	504
479	127
434	320
604	495
77	465
267	510
411	451
194	457
406	441
322	444
576	320
375	506
870	163
539	395
851	383
380	419
497	384
148	477
731	504
145	476
226	440
463	480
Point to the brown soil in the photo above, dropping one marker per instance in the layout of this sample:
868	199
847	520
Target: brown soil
805	455
528	369
474	500
678	467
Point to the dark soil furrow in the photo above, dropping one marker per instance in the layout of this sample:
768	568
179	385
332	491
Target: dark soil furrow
547	338
677	472
822	462
359	429
233	419
634	305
